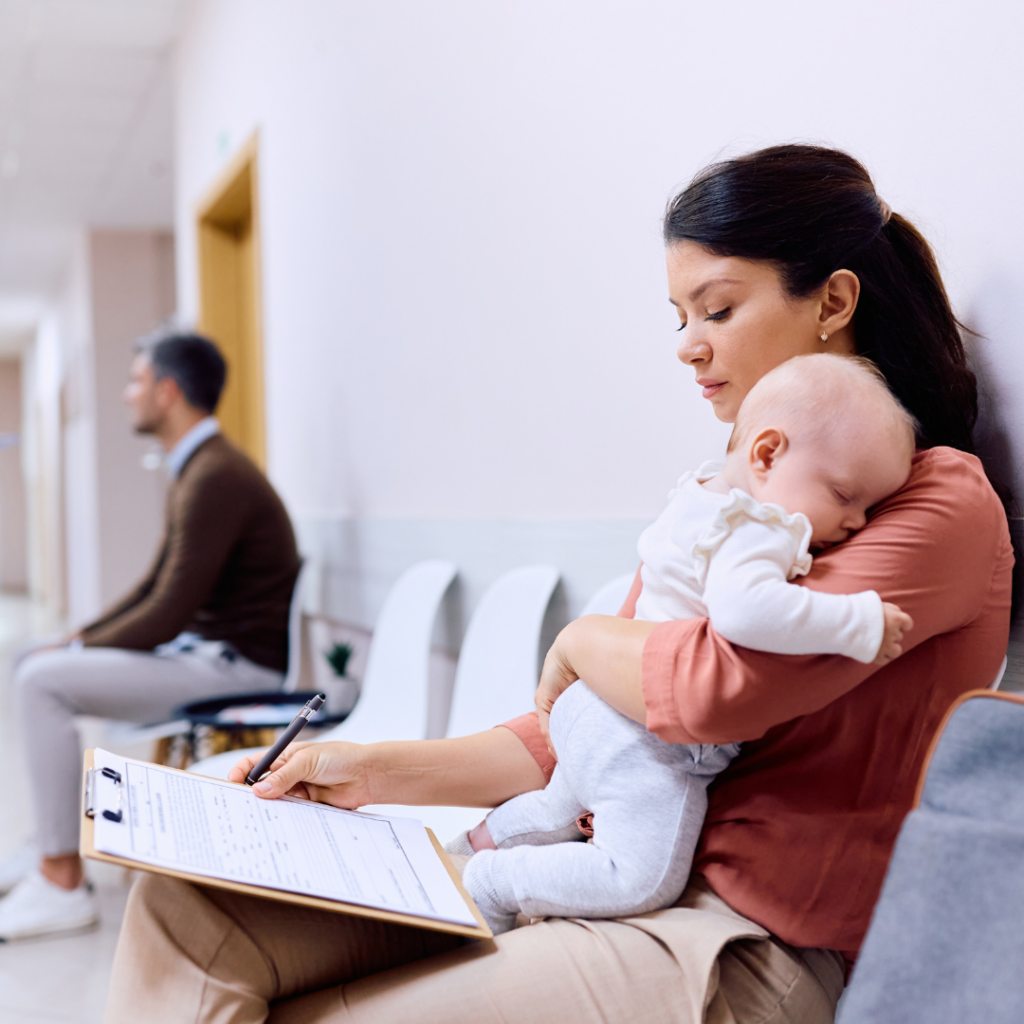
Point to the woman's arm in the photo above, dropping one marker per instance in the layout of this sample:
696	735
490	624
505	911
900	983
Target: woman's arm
482	770
605	651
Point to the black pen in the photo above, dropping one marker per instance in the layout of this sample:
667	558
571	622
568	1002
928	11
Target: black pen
311	707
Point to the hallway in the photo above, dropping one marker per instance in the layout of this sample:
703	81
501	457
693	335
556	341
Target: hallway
64	980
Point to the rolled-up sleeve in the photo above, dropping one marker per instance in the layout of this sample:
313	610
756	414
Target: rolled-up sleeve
929	549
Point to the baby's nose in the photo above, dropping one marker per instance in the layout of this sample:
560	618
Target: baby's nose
854	520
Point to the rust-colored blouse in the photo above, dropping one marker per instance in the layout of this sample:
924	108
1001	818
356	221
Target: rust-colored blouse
801	825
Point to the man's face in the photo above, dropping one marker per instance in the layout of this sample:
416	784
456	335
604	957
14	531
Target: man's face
145	396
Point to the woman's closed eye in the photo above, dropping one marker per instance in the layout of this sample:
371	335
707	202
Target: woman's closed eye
722	314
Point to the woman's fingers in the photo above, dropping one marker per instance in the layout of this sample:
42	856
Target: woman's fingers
246	764
556	677
242	769
288	774
333	773
544	719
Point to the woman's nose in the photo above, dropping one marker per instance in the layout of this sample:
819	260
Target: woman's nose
693	349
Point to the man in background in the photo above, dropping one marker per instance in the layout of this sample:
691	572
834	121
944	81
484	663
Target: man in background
210	618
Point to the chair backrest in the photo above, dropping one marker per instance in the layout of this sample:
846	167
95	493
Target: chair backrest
999	675
291	677
496	676
944	941
611	597
393	698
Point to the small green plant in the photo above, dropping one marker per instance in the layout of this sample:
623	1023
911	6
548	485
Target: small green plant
338	657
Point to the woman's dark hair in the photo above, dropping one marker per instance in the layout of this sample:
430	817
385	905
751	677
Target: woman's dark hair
193	362
812	211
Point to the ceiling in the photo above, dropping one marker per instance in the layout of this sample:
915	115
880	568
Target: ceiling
86	133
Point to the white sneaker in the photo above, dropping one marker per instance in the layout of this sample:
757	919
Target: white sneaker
35	907
20	863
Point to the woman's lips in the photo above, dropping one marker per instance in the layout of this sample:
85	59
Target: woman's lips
711	387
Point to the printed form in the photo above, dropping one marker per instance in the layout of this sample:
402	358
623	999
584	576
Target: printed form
221	830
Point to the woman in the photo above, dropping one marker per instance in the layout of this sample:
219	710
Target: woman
786	251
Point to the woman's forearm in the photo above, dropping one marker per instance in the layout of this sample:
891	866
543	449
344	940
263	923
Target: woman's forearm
606	652
482	770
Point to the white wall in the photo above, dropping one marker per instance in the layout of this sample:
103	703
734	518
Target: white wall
105	511
70	324
58	468
13	504
464	299
132	275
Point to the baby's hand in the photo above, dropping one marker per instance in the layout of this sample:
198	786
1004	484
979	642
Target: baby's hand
897	622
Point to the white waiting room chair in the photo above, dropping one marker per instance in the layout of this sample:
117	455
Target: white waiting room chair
611	597
496	677
394	696
294	668
127	733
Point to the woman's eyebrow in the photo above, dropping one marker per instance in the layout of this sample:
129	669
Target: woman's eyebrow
700	289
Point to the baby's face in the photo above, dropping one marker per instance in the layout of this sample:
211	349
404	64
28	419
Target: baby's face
835	481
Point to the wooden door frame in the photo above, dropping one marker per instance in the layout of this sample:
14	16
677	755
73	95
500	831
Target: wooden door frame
234	194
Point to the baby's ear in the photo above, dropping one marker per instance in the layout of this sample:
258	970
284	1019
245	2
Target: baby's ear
767	446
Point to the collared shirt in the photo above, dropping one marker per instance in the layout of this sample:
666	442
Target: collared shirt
180	453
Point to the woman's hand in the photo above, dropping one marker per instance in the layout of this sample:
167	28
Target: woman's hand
606	652
341	774
482	770
556	677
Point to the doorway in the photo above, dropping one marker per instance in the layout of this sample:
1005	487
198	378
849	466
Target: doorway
230	299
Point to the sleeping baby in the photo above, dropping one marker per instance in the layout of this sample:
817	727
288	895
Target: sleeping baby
817	442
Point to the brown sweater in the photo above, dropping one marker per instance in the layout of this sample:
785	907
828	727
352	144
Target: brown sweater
226	567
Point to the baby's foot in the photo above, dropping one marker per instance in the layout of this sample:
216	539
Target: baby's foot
498	912
460	846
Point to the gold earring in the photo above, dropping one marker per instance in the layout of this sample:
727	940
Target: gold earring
824	336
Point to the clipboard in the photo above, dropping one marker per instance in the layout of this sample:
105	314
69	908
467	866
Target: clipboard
88	850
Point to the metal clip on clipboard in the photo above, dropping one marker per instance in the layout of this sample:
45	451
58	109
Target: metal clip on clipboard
90	793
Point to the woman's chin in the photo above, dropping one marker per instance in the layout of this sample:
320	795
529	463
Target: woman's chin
725	410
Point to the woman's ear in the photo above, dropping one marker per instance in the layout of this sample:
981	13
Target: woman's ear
767	446
838	302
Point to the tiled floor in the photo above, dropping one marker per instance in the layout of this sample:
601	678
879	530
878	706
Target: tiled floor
56	980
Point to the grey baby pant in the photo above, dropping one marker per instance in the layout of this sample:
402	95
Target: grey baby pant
648	798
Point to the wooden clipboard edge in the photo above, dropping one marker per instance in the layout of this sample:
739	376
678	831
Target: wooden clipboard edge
88	850
485	930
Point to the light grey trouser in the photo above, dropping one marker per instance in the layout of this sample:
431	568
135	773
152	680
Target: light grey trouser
51	687
648	799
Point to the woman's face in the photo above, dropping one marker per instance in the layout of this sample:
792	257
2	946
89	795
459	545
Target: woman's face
737	322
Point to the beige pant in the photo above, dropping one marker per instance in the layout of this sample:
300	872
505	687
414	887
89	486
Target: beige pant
190	954
52	687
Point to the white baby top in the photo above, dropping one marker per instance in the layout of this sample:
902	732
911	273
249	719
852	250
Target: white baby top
729	558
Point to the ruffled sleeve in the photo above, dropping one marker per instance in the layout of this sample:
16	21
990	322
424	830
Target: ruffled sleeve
742	508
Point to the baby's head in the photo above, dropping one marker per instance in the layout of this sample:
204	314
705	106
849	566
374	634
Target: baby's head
822	435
